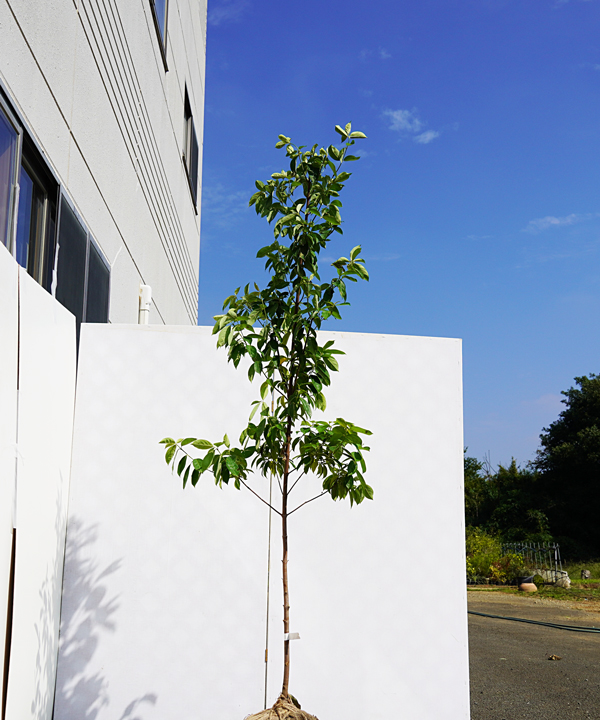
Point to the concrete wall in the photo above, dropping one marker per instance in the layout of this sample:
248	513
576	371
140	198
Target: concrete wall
165	590
88	79
37	428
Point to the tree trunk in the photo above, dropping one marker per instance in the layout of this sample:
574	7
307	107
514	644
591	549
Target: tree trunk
286	598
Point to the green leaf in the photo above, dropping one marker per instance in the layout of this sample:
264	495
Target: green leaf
167	441
232	465
226	441
207	461
222	336
341	131
357	134
350	158
170	452
332	363
202	444
181	465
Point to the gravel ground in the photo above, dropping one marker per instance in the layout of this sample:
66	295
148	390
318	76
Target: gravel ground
511	676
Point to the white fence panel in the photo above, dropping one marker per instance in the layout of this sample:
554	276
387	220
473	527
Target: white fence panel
9	332
374	643
165	590
46	400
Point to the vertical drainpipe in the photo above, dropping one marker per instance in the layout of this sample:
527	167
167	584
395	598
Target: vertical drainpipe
145	300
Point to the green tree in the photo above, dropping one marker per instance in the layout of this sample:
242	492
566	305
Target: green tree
516	504
508	503
569	464
476	491
275	329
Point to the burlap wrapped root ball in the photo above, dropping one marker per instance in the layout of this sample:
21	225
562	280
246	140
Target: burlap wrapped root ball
283	709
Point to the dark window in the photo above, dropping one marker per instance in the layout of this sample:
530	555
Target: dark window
9	153
190	148
96	306
159	12
83	276
72	261
70	265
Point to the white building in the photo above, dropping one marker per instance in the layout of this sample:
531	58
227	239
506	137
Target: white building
101	120
101	124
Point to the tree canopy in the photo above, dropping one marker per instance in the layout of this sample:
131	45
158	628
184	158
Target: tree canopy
557	496
568	462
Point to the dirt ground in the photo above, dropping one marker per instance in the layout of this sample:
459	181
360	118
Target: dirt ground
511	675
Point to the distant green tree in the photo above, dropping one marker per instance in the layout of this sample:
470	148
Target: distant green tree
569	466
516	511
476	491
507	503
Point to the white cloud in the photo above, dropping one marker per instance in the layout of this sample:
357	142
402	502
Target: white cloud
408	121
381	53
403	120
426	137
536	226
221	206
227	11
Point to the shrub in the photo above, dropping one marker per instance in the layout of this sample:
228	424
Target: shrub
485	558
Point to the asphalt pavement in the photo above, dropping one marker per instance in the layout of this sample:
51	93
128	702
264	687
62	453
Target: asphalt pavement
511	675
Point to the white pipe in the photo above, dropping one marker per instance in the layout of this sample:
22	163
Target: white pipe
145	299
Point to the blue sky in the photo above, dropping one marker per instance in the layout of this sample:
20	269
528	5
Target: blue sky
476	199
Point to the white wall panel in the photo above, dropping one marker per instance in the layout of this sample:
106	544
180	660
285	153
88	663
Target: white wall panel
373	646
165	590
8	424
46	399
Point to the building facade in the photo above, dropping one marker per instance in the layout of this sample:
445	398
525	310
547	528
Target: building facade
101	124
101	121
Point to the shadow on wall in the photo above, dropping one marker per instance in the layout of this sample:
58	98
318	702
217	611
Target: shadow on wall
86	614
45	627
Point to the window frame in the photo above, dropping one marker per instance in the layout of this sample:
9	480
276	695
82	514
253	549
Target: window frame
39	266
13	205
30	157
90	240
161	42
189	135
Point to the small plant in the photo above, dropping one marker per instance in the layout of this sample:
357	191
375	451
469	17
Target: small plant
276	330
485	558
507	568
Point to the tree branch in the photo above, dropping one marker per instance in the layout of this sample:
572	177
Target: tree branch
259	497
316	497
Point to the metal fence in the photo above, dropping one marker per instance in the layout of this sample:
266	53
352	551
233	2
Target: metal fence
540	558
